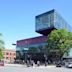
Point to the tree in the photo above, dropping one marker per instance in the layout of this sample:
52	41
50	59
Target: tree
1	54
1	46
59	42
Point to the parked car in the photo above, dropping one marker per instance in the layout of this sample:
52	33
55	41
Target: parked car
58	64
69	65
1	63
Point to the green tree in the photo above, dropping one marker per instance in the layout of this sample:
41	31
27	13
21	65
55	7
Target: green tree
1	54
1	46
59	42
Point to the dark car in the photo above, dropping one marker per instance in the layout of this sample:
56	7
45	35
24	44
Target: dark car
1	63
58	64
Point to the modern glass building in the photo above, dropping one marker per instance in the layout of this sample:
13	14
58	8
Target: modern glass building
44	24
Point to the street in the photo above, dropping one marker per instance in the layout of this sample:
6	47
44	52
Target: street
33	69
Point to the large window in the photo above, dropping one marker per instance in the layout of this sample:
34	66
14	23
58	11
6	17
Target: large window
7	53
60	23
7	57
44	21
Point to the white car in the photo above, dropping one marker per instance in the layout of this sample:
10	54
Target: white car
69	65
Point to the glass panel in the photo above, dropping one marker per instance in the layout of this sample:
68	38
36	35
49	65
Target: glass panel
44	21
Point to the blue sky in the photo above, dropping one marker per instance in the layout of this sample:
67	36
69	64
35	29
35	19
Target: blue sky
17	17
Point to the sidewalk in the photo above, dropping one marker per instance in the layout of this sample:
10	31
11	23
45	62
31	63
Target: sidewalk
35	66
48	66
20	65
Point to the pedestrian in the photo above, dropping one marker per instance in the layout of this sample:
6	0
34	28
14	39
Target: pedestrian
32	62
38	63
28	64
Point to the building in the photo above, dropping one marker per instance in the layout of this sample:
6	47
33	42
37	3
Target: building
9	55
44	24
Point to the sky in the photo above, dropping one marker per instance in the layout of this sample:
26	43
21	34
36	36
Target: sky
17	17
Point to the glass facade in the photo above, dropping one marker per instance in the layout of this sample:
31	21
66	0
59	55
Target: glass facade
50	20
45	21
60	23
24	45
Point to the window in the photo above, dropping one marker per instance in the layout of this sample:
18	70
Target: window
14	58
7	57
7	53
14	54
10	53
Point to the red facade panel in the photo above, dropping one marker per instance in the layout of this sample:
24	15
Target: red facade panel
29	41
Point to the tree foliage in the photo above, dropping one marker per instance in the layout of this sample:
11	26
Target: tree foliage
1	46
1	54
59	41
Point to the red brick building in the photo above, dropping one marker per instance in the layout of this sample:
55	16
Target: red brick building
9	55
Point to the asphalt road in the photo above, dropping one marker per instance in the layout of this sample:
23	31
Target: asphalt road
34	69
